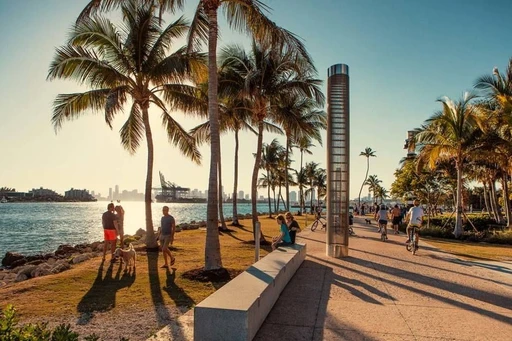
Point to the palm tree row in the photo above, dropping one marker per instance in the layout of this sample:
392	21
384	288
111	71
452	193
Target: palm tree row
273	85
474	136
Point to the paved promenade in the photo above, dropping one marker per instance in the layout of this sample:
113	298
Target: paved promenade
382	292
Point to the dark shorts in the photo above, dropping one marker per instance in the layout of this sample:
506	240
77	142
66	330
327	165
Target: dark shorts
109	235
383	222
396	220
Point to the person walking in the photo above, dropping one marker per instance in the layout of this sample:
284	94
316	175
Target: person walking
110	226
167	229
396	216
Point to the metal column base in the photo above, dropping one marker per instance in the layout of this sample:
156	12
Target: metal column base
337	250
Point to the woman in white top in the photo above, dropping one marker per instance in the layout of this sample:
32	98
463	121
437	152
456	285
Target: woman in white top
382	217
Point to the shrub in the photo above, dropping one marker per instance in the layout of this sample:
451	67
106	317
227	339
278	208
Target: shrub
499	238
10	331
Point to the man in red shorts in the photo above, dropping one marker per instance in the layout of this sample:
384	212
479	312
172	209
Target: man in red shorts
109	222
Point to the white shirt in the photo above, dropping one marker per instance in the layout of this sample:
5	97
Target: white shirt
416	214
383	214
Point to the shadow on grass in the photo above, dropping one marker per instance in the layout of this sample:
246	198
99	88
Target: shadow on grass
102	295
177	294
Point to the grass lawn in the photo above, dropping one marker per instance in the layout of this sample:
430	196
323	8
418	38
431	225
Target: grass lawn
470	250
92	286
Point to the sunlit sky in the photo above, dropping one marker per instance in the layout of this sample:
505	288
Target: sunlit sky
402	54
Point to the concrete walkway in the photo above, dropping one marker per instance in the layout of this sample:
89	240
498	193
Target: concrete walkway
382	292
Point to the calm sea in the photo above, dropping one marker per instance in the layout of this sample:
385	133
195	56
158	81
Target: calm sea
32	228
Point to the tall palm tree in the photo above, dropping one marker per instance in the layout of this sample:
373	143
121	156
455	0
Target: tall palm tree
133	62
303	143
368	152
269	74
450	134
300	117
269	162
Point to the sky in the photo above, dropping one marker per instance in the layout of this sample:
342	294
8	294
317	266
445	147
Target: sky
403	55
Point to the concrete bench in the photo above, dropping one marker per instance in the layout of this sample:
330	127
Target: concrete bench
237	310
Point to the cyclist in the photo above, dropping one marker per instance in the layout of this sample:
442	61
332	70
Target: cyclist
382	217
415	218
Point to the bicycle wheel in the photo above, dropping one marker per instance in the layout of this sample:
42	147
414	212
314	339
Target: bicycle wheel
314	226
413	242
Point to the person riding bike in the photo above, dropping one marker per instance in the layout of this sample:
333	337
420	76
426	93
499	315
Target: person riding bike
382	217
415	218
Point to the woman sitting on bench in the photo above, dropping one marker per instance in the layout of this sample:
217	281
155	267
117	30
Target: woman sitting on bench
283	238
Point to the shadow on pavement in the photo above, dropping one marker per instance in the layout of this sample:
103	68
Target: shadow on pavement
401	275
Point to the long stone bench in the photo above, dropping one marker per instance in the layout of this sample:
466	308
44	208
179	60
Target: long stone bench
237	310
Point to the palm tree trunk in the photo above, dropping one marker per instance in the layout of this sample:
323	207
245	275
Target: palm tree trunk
287	185
506	203
279	196
150	234
458	216
212	248
254	182
268	195
301	190
497	213
365	177
221	199
486	198
492	202
235	184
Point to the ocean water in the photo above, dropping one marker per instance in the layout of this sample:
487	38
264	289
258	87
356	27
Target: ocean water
32	228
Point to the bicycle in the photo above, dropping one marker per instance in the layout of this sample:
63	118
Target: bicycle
412	246
383	231
315	224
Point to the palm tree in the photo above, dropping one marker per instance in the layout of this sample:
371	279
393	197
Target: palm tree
270	74
381	193
300	118
302	182
321	183
311	170
368	152
304	144
269	162
373	182
130	63
450	134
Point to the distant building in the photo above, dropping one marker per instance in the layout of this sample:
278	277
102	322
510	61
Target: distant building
247	196
240	194
293	196
78	194
43	192
116	193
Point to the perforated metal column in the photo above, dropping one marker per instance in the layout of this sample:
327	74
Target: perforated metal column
338	143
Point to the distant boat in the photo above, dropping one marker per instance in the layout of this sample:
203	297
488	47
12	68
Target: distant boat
3	201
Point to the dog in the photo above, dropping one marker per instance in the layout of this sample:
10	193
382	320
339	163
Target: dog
368	221
128	256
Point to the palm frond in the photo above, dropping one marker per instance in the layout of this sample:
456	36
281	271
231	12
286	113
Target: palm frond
71	106
180	138
132	130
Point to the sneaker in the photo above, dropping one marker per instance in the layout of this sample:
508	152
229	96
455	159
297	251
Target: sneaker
407	241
